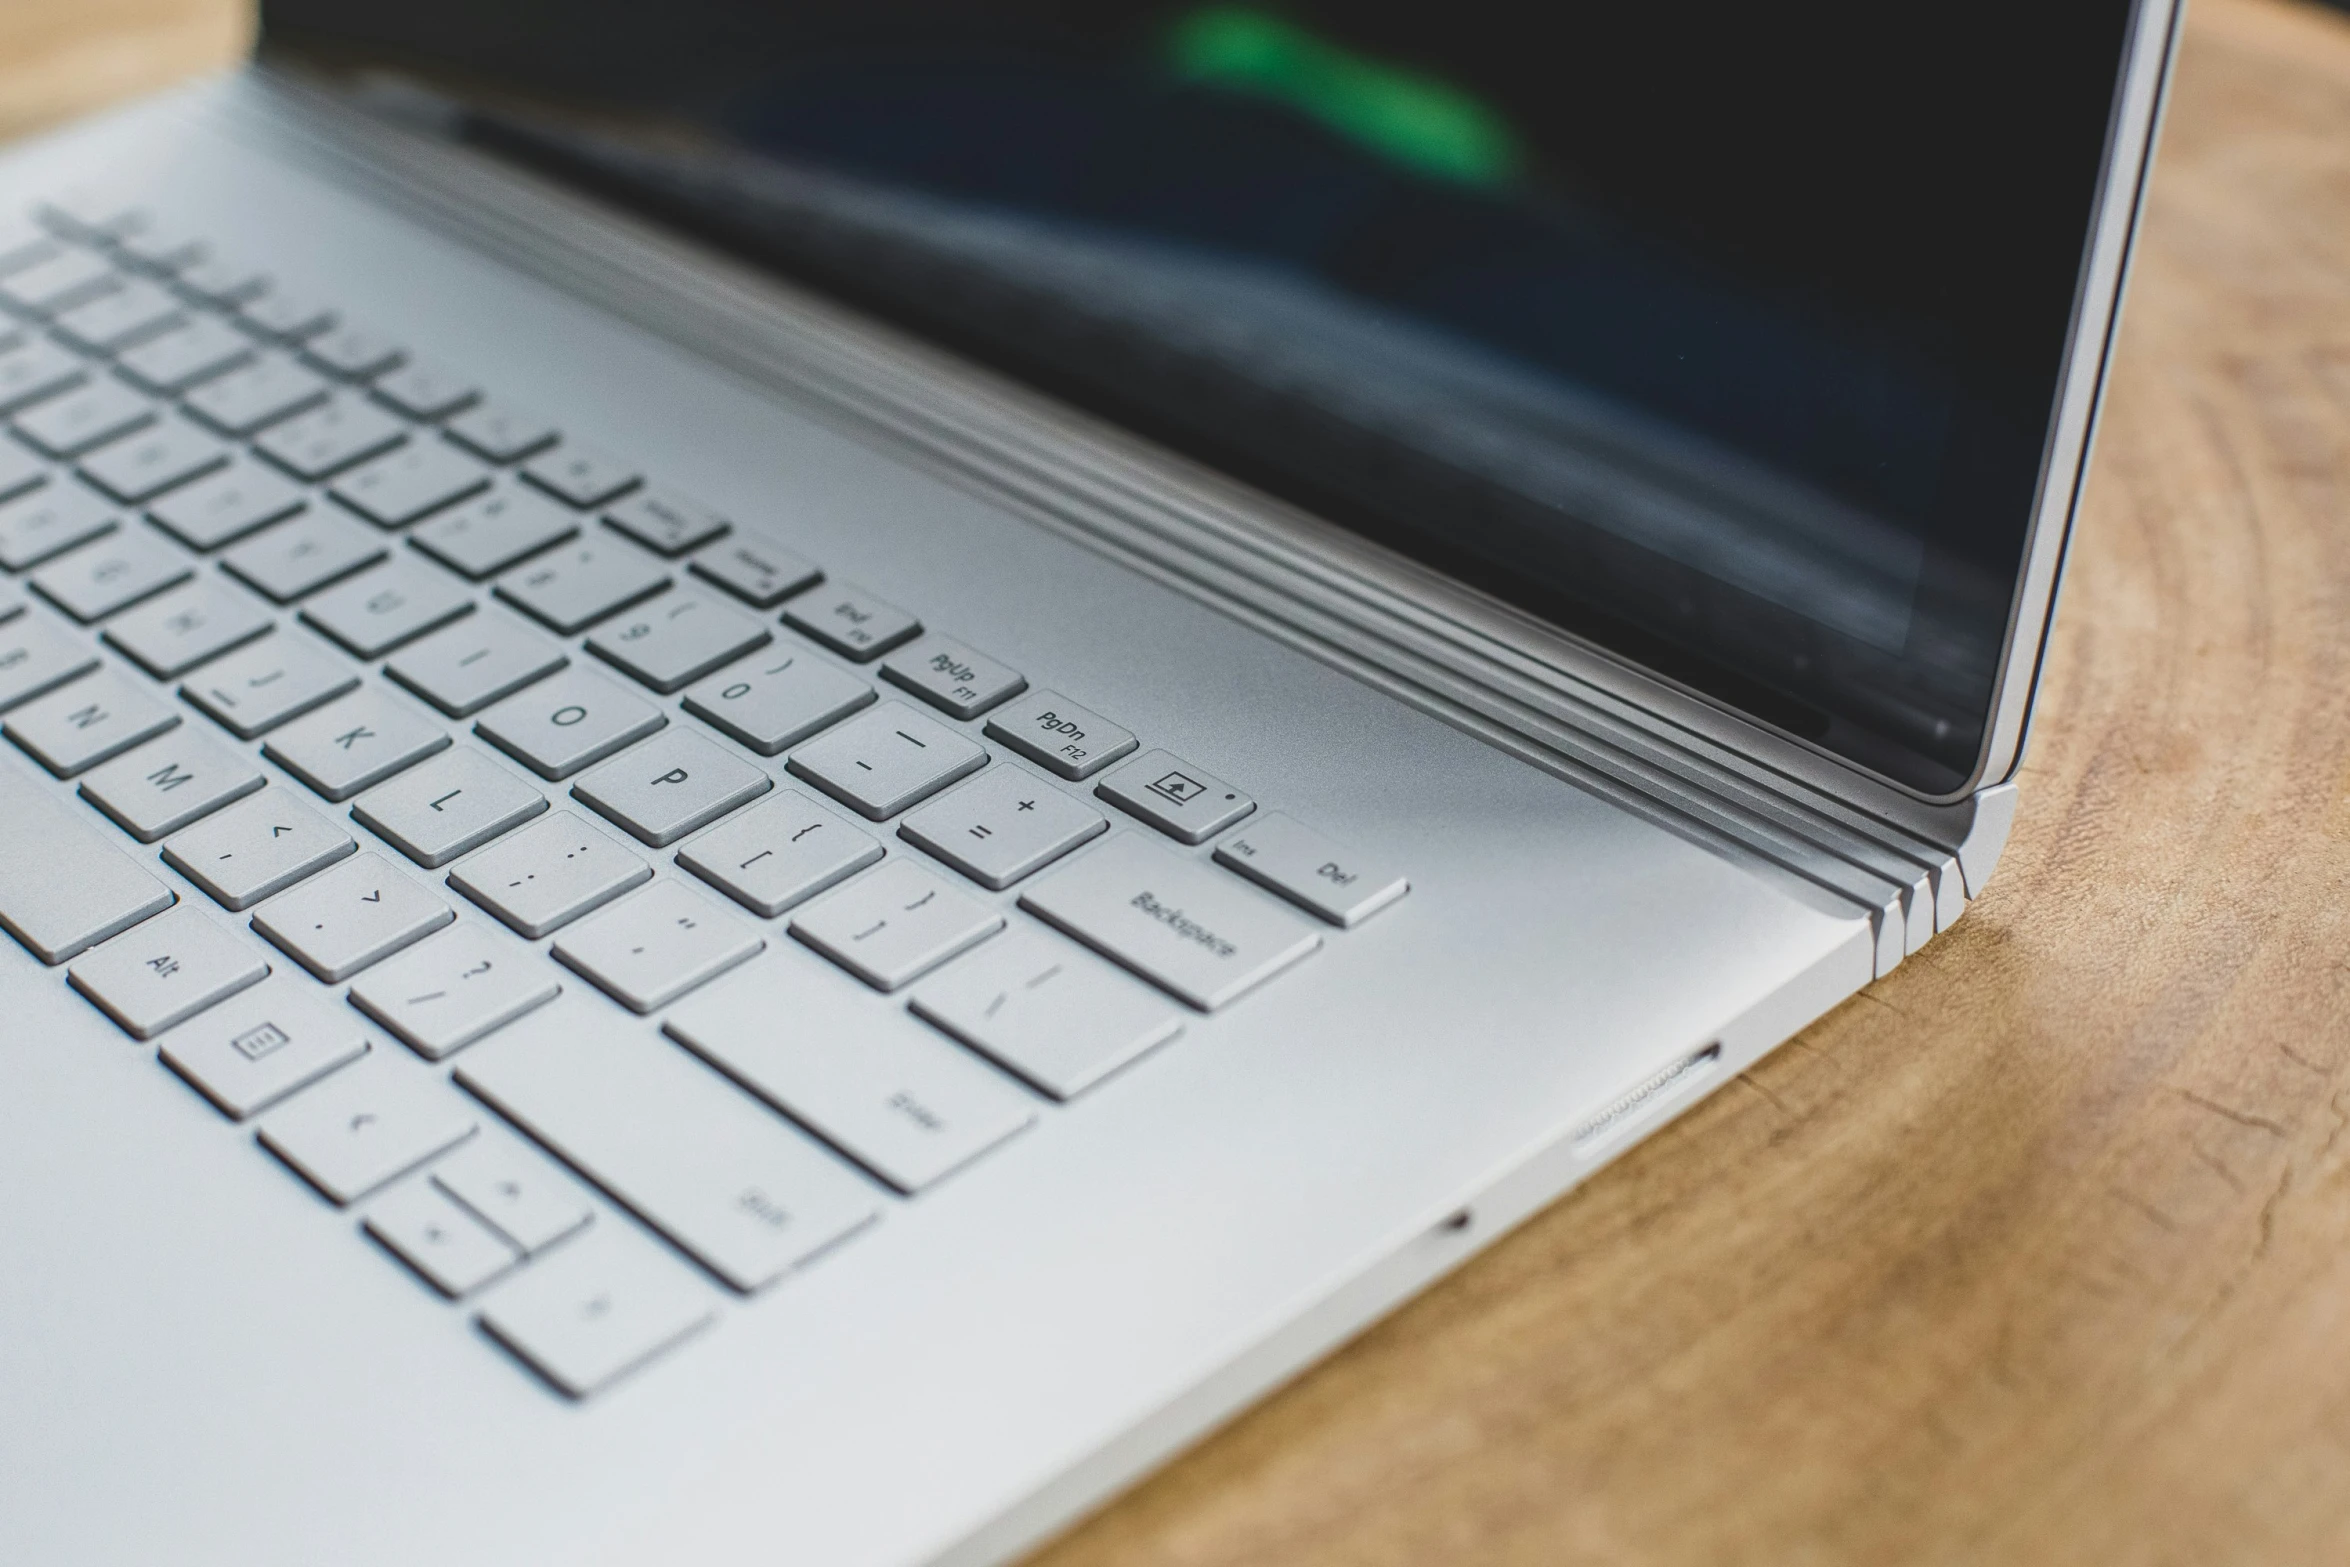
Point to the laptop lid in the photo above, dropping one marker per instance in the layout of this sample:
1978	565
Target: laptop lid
1757	346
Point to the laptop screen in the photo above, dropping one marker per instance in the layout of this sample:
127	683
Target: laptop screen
1724	336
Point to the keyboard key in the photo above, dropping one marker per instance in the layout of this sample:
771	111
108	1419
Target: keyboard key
653	946
673	784
351	918
165	971
76	422
599	1311
57	283
189	353
896	925
780	853
171	635
160	248
284	315
1309	870
353	352
50	521
430	1231
756	570
413	482
74	728
169	782
304	555
354	744
452	989
676	639
36	657
581	475
35	371
21	472
392	604
474	663
580	584
367	1127
561	725
97	214
24	243
281	677
851	622
868	1079
111	574
257	396
271	1041
515	1194
220	280
774	700
256	848
728	1180
423	390
1040	1008
1002	826
500	431
1059	736
666	521
1198	935
495	532
64	885
1188	805
448	806
952	678
145	465
339	434
549	874
889	759
119	317
227	505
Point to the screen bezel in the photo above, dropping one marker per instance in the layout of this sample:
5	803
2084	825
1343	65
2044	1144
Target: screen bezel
2148	43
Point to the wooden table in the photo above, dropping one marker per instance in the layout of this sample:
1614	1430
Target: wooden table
2039	1249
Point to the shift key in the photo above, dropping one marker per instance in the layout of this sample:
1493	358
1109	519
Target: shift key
1197	934
732	1183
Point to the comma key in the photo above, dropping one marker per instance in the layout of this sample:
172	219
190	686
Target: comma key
260	846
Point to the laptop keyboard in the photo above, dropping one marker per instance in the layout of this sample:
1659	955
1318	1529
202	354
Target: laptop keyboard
521	692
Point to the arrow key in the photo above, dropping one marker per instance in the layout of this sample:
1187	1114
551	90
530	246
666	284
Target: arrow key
366	1126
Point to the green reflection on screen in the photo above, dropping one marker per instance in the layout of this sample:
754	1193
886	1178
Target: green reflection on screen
1424	124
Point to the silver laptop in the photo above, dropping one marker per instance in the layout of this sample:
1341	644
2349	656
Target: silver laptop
781	782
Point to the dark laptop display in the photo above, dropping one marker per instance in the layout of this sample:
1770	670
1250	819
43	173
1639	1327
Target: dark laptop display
1725	336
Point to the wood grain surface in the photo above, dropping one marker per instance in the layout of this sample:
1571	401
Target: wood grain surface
60	57
2038	1250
